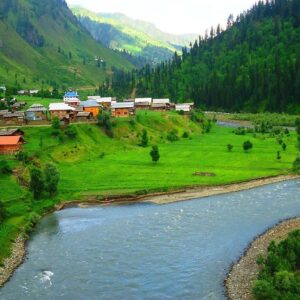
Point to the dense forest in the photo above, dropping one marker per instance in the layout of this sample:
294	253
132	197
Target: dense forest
253	65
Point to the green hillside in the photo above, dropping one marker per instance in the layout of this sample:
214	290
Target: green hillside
140	38
254	65
42	44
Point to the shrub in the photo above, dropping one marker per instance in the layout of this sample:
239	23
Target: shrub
154	153
55	124
2	212
278	155
144	139
23	157
71	132
296	165
284	146
5	168
185	135
240	131
101	156
247	146
173	136
229	147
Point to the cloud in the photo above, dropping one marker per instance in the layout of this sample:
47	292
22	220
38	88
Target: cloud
188	16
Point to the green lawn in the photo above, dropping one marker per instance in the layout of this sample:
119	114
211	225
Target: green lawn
37	100
127	167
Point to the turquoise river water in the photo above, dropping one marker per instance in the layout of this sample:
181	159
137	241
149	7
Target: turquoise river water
145	251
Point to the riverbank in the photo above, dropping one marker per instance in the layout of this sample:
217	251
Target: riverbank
243	273
19	249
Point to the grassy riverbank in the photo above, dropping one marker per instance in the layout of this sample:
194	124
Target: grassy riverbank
93	166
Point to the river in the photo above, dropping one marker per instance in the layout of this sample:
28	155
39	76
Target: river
145	251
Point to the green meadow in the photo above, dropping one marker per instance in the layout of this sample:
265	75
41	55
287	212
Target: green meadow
95	166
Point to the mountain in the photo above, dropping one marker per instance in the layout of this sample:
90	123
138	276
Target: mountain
254	65
43	44
139	38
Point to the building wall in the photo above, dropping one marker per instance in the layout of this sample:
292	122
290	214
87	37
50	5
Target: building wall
93	110
120	112
10	149
59	113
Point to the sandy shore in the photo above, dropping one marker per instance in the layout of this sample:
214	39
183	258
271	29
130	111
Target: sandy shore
19	249
14	261
243	274
206	191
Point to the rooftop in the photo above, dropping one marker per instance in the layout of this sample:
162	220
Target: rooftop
36	107
10	140
60	106
161	101
89	103
123	105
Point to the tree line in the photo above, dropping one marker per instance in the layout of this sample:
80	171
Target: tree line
253	65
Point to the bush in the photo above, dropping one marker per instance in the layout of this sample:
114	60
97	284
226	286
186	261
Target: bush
51	179
5	168
173	136
71	132
37	183
154	153
229	147
247	146
296	165
240	131
185	135
101	156
144	139
23	157
55	124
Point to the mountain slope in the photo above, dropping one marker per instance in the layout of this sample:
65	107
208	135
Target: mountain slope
140	38
42	43
252	66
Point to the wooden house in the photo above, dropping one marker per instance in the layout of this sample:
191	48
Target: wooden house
185	107
10	144
62	111
143	103
14	118
11	132
91	106
106	102
18	105
122	109
36	112
83	116
161	104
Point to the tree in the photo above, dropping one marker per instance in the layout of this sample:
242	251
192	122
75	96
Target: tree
284	146
37	183
104	120
2	212
154	153
296	165
71	132
247	146
52	177
297	124
278	155
229	147
55	125
145	139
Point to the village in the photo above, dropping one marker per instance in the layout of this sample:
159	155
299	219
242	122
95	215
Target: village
71	110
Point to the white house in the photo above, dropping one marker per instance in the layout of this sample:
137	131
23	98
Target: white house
186	107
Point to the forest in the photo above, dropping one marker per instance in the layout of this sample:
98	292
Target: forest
253	65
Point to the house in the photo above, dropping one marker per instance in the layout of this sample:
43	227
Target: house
14	117
11	132
94	98
161	104
185	107
36	112
91	106
142	103
62	111
83	116
33	92
18	105
72	98
106	102
22	92
3	112
122	109
10	144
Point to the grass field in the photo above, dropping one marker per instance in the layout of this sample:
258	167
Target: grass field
96	166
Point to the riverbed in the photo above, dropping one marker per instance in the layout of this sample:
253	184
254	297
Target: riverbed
146	251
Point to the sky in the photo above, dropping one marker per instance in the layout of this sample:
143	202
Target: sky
172	16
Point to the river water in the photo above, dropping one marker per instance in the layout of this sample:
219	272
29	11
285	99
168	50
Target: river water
145	251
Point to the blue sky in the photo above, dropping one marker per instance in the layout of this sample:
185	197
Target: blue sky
173	16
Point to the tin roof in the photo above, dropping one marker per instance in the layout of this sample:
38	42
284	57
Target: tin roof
122	105
89	103
60	106
36	107
10	140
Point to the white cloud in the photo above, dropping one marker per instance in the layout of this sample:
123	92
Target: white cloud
188	16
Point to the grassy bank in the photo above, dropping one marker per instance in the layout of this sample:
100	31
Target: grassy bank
94	166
